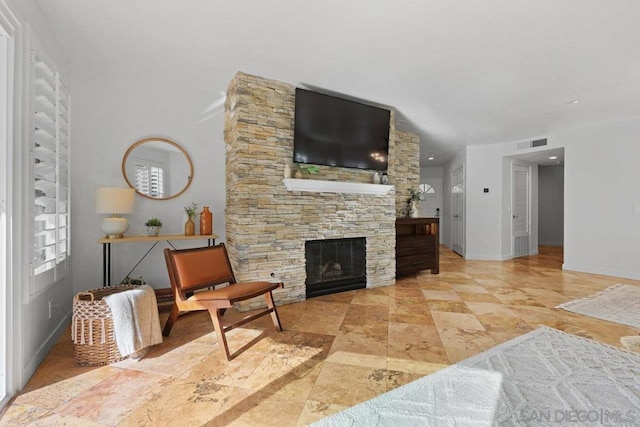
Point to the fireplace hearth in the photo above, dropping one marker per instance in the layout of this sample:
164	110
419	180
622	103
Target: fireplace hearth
335	265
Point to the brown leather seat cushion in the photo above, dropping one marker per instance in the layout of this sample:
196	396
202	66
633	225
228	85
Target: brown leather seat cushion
197	268
237	292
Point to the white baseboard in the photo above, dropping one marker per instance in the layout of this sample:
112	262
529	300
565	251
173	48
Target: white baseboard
4	402
43	351
483	257
633	275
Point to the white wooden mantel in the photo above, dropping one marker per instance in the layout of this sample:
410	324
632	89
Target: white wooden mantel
316	186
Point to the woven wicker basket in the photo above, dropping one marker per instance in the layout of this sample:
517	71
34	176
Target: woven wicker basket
92	327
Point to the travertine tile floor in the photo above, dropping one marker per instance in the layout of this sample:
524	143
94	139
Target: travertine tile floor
336	351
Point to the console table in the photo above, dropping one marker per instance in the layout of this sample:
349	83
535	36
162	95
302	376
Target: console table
106	248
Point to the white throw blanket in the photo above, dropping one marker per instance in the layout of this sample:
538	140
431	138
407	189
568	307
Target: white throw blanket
136	322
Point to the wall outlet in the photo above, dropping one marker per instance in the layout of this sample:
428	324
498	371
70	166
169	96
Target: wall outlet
52	305
636	208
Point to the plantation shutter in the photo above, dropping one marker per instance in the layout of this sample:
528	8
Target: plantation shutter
50	171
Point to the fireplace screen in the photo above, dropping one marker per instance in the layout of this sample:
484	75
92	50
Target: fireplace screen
335	265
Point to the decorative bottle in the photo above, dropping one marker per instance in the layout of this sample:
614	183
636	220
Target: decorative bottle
376	178
190	227
206	221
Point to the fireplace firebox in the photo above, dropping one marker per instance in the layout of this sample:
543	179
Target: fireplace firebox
335	265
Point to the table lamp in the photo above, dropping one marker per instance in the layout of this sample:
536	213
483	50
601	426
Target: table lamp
114	201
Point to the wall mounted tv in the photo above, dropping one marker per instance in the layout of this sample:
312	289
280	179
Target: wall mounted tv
338	132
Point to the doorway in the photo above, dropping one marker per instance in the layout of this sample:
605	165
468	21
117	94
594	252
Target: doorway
546	200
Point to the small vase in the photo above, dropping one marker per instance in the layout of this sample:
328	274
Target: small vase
189	227
206	221
413	213
153	230
376	178
298	174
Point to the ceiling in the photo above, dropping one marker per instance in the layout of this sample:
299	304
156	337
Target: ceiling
458	72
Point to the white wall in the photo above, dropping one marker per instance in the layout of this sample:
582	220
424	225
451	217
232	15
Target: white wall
487	215
483	227
115	105
602	184
601	176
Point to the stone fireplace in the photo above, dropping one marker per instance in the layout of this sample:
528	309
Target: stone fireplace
335	265
269	226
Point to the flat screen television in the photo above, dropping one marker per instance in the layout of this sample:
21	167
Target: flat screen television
338	132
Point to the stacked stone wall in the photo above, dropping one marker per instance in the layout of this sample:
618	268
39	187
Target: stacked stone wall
267	225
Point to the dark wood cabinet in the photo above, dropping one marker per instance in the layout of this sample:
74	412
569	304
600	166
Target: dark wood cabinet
417	241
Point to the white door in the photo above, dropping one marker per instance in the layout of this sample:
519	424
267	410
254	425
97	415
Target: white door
520	210
457	211
431	204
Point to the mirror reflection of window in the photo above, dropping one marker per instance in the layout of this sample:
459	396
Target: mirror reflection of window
149	178
157	168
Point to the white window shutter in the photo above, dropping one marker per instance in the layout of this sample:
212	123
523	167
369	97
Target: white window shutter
50	148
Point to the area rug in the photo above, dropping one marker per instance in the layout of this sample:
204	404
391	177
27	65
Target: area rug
618	304
546	376
631	343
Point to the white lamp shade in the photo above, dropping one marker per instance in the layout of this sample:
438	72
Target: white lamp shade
114	200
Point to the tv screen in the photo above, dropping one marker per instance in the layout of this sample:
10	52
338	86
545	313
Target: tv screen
338	132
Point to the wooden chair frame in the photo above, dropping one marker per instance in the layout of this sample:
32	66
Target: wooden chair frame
191	271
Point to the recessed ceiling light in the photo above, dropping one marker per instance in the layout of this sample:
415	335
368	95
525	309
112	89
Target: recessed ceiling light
431	158
574	101
553	157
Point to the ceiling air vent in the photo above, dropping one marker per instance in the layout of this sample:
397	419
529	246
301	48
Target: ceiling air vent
531	144
539	142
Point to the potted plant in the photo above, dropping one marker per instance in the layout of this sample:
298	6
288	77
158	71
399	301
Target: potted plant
153	226
190	225
309	169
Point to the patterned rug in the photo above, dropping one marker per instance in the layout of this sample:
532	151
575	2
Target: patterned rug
631	343
618	304
546	376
